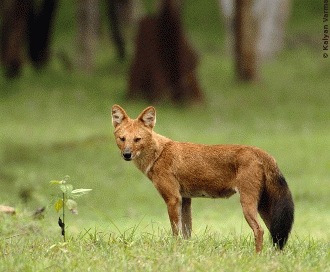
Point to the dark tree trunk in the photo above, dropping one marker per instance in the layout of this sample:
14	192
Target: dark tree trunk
40	25
13	36
164	61
245	29
116	31
147	76
170	40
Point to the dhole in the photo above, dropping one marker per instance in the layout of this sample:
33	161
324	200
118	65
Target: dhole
181	171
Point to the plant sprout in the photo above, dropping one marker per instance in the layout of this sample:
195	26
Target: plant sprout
68	194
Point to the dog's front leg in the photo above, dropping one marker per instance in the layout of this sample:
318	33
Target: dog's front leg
186	217
174	212
169	189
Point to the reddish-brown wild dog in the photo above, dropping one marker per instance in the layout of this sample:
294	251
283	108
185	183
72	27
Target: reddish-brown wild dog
181	171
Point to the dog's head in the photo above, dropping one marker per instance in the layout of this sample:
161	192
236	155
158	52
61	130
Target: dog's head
133	135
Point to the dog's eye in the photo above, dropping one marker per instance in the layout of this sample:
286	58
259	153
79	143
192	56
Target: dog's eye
137	139
123	139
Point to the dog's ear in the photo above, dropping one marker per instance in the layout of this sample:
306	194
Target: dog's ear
118	115
148	117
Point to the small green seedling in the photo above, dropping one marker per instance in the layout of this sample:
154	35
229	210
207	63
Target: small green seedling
68	194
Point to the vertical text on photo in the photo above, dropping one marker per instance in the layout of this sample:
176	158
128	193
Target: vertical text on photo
325	39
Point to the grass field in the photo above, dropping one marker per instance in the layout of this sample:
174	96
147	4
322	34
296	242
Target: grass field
54	123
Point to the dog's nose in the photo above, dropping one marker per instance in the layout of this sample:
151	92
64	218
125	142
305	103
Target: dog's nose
127	156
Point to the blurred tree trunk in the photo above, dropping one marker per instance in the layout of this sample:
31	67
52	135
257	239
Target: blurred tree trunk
122	13
245	41
40	25
272	16
164	63
3	8
227	12
87	22
13	35
115	26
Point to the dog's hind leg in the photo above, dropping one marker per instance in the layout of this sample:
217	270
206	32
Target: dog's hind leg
186	217
250	211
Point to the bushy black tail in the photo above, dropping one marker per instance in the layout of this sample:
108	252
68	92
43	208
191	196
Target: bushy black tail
282	215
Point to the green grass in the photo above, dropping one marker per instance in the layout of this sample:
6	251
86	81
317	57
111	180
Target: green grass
54	123
95	249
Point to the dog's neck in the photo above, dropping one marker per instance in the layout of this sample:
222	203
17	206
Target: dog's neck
150	154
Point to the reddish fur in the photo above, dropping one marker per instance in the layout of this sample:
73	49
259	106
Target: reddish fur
181	171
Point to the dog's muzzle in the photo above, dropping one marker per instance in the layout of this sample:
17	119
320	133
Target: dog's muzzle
127	155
